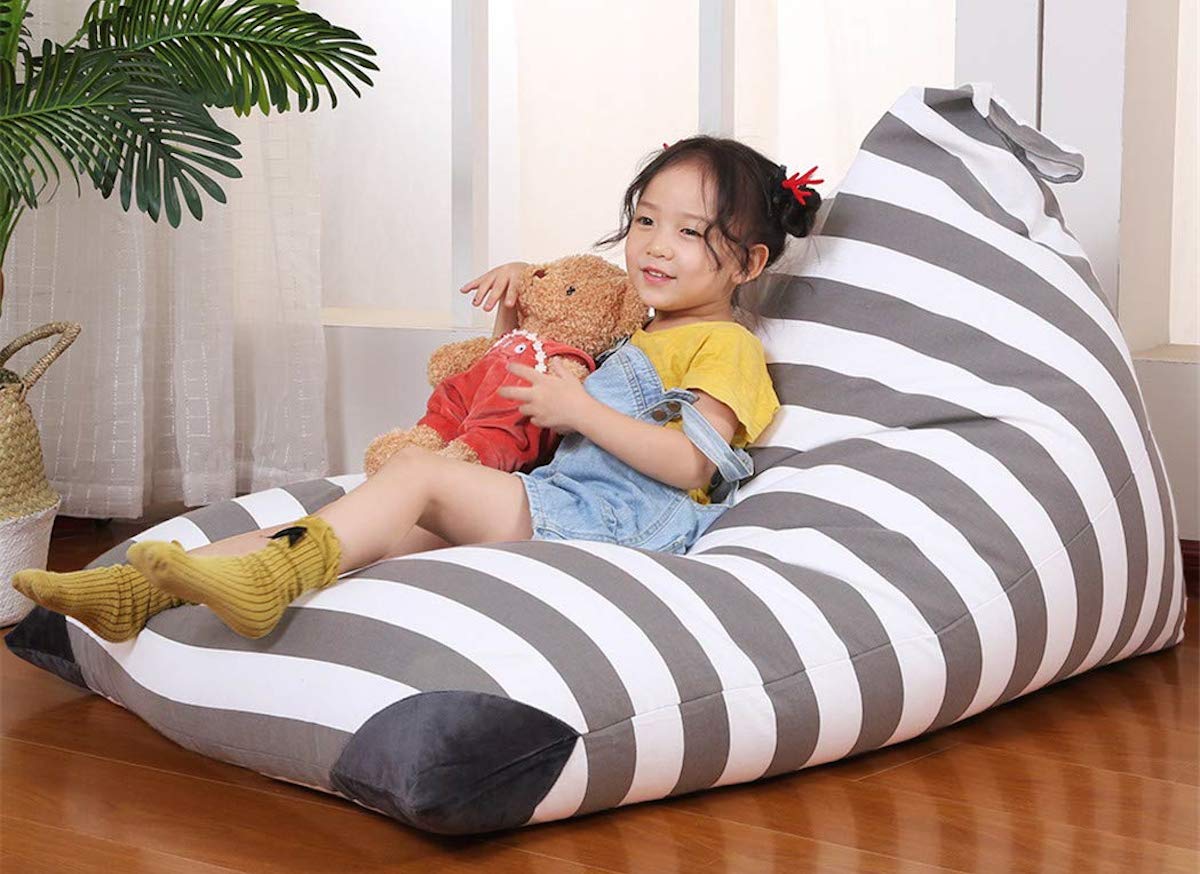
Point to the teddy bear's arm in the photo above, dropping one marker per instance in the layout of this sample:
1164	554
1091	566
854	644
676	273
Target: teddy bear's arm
572	364
454	358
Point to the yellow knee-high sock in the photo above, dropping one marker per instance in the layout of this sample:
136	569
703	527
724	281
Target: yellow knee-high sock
248	592
115	601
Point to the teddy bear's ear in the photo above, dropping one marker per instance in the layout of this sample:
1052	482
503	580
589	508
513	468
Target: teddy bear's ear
631	311
533	271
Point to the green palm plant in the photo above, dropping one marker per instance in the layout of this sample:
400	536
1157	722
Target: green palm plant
125	102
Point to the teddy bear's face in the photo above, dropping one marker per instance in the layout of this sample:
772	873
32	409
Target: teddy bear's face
581	300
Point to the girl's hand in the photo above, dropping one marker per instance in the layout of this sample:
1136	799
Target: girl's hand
501	282
555	400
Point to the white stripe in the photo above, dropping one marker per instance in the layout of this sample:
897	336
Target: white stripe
803	428
1178	596
937	540
187	532
634	658
826	660
658	759
518	667
288	687
271	507
905	370
998	170
750	712
657	724
922	667
900	185
948	294
348	481
995	485
567	793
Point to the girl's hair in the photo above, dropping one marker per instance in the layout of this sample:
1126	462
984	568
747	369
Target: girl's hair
752	205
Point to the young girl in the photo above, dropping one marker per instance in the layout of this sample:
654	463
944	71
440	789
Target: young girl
653	439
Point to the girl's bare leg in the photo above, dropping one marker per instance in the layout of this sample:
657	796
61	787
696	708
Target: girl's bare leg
456	501
417	540
418	500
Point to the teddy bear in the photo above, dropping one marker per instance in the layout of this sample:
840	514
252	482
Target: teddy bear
570	310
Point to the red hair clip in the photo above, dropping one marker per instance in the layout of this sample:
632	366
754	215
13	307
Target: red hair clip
796	182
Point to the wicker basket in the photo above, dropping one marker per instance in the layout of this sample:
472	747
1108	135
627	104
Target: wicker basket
27	503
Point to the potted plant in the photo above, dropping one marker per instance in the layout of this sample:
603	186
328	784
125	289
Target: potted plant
125	103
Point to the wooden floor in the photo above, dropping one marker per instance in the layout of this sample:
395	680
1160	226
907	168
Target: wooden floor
1097	773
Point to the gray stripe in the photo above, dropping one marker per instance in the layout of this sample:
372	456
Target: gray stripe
871	652
941	245
932	241
1003	131
702	708
757	632
967	119
221	520
291	749
903	565
583	666
891	138
1024	457
899	561
1172	577
1078	263
585	669
977	352
314	494
337	638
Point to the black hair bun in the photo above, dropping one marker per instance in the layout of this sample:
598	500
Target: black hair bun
794	217
797	219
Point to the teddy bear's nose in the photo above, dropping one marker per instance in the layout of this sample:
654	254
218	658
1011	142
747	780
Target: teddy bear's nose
570	290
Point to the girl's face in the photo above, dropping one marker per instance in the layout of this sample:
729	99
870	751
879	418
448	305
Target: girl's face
667	234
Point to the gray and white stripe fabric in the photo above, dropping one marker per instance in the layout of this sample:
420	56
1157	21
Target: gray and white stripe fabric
959	503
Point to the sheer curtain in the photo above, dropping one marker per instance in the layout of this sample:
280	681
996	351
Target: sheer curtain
200	370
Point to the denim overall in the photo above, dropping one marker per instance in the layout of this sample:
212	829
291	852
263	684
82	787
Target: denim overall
587	493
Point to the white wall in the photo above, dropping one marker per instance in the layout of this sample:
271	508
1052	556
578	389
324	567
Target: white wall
841	65
1185	254
1083	86
602	84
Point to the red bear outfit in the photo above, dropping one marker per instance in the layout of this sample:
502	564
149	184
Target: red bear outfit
466	406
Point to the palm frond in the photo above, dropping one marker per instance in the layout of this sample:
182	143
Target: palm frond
12	28
118	117
174	142
63	110
237	53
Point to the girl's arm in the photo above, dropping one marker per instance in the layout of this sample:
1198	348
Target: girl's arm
506	319
663	453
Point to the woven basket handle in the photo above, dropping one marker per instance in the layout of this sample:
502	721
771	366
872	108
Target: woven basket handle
69	331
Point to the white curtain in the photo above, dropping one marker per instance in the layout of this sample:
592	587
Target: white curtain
200	369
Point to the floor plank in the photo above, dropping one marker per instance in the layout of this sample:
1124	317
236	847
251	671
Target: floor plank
1090	797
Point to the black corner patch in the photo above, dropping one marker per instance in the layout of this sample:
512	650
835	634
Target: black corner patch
455	762
41	639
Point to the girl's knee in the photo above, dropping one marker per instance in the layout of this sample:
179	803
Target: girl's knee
405	457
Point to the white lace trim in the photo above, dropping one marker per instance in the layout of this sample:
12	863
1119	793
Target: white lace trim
538	352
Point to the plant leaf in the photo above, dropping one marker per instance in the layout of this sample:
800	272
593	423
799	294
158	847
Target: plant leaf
237	53
118	117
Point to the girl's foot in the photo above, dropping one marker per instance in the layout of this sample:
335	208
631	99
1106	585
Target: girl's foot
115	601
248	592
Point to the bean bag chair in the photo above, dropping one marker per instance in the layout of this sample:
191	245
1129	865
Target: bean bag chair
960	503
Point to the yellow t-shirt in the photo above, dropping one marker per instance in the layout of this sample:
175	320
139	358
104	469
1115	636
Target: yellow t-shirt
723	359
